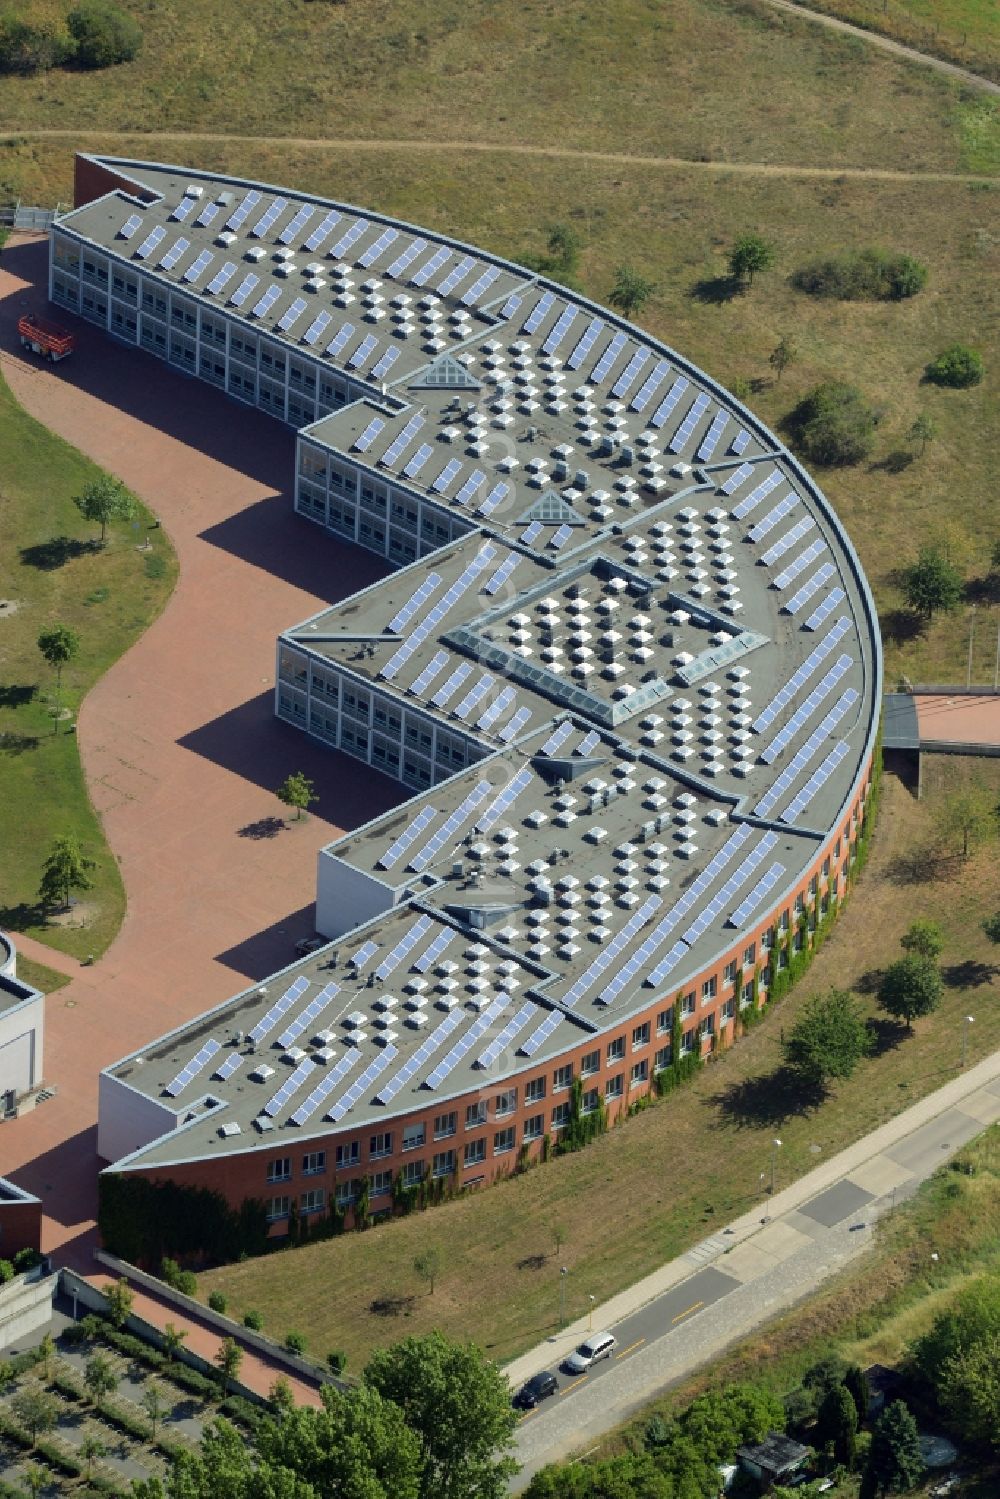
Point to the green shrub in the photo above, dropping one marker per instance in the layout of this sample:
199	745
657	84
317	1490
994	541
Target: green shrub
295	1342
191	1380
957	366
833	425
336	1361
863	276
237	1408
6	1272
187	1283
26	1259
253	1320
56	1458
217	1301
102	34
26	48
131	1425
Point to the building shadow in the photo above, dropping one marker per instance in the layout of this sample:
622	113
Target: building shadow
64	1179
272	949
268	534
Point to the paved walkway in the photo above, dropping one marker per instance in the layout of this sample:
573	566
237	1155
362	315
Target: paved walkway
179	743
691	1309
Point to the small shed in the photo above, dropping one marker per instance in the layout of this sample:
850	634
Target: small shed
774	1460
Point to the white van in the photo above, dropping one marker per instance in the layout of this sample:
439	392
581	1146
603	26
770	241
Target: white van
599	1345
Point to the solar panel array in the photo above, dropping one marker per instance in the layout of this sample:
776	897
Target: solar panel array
312	1011
267	301
222	277
267	1023
322	231
588	743
418	460
763	887
809	588
430	671
740	442
608	954
669	401
471	487
451	684
819	777
825	609
638	960
822	689
290	1086
803	755
244	289
402	439
710	441
434	845
725	892
364	440
184	210
325	1087
149	244
291	314
426	271
537	314
785	543
630	373
559	538
480	286
386	238
541	1035
557	738
387	1055
270	216
196	267
430	954
562	326
447	475
608	358
416	601
317	327
736	478
295	225
232	1064
799	564
474	696
517	723
339	340
465	1043
406	259
455	275
698	408
385	364
758	493
403	947
532	534
348	238
130	225
364	351
586	343
496	580
511	305
508	796
513	1028
497	709
695	891
763	527
364	955
243	211
801	675
479	563
652	383
409	835
416	1059
191	1070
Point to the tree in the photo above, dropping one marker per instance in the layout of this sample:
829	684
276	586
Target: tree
631	291
297	791
895	1464
104	35
154	1403
924	430
558	1232
991	926
281	1394
172	1338
90	1449
564	246
46	1349
458	1404
427	1264
104	500
923	937
828	1040
750	253
956	366
968	1390
64	871
911	987
35	1477
834	425
856	1380
228	1358
932	583
969	814
119	1296
59	645
357	1444
99	1377
837	1424
783	355
973	1318
36	1410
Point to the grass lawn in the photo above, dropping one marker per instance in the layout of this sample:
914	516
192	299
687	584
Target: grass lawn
39	976
962	31
690	1163
51	572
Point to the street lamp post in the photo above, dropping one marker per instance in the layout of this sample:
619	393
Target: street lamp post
775	1147
564	1271
969	1020
590	1314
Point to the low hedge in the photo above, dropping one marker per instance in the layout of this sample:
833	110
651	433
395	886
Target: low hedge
131	1425
237	1408
67	1385
56	1458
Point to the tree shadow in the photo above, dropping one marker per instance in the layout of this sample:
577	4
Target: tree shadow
533	1262
868	982
17	695
759	1102
391	1306
716	290
983	590
16	918
969	974
49	555
923	866
884	1034
264	827
896	462
16	744
900	626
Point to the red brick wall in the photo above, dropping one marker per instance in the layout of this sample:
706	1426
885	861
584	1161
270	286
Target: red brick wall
20	1227
92	180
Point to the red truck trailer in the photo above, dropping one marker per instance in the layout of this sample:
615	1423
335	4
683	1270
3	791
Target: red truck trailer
45	338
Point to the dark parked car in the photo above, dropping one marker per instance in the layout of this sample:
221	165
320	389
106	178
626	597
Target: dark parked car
537	1388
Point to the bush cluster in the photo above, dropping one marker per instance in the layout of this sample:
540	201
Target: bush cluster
834	425
957	366
96	35
863	276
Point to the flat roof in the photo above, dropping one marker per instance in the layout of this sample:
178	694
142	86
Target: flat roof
951	718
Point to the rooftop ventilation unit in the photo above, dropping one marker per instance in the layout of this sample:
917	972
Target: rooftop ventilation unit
256	252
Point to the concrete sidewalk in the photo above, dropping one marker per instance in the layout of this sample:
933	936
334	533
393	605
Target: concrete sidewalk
756	1228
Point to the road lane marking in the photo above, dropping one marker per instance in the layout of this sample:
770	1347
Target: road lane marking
631	1348
582	1380
681	1315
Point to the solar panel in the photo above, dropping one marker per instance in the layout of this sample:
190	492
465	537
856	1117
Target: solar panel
801	675
280	1006
725	893
426	271
736	478
403	616
192	1068
588	744
557	738
292	314
208	215
496	497
608	954
244	289
538	312
508	796
762	888
409	255
184	210
317	327
608	358
432	1043
409	835
323	230
693	894
312	1012
803	755
222	277
496	581
151	241
518	722
430	671
586	343
325	1087
386	238
474	696
565	322
451	684
472	486
799	564
339	339
364	440
447	475
267	301
511	305
785	543
195	269
513	1027
364	351
560	538
385	364
400	441
130	225
803	713
347	239
403	947
455	275
532	533
630	373
386	1056
669	401
809	588
270	215
173	255
625	976
825	609
697	410
710	441
475	798
430	955
507	699
232	1064
419	634
740	442
240	214
364	955
652	382
758	493
819	777
294	226
466	1042
483	284
539	1036
418	460
764	527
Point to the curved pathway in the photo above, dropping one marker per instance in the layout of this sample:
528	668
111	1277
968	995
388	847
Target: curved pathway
179	742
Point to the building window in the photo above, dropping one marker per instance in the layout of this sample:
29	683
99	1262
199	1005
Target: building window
348	1155
534	1091
687	1004
504	1140
278	1207
534	1128
662	1059
640	1074
560	1115
444	1163
379	1145
616	1049
750	955
346	1194
280	1170
613	1087
314	1162
588	1103
640	1036
664	1022
414	1136
381	1184
506	1103
562	1077
313	1201
729	974
475	1114
413	1173
709	989
475	1152
590	1064
445	1125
